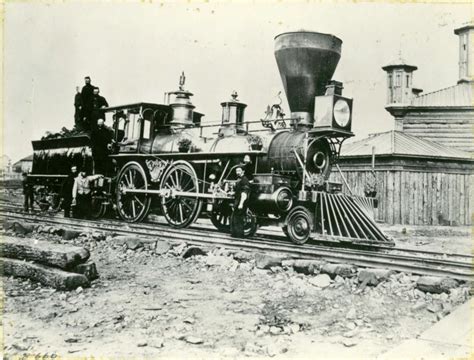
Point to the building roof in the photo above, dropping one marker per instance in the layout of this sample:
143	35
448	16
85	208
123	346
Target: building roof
399	63
27	158
465	27
457	95
397	143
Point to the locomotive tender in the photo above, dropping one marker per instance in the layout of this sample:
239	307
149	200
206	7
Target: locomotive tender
163	161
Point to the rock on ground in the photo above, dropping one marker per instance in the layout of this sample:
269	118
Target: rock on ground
343	270
304	266
263	261
373	276
434	284
162	247
321	280
193	251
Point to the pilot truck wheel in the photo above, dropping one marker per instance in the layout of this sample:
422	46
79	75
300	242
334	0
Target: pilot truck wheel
298	225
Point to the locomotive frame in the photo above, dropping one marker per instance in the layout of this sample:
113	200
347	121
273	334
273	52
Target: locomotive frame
162	162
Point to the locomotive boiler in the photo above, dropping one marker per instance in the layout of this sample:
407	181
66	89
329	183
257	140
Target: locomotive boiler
165	161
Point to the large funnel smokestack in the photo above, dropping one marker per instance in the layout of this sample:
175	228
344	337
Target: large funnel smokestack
307	61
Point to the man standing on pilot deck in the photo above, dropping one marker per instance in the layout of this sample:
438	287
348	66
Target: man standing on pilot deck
242	191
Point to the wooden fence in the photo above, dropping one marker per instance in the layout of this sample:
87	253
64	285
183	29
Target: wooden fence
416	197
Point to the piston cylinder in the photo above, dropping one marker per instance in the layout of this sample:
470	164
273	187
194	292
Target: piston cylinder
278	202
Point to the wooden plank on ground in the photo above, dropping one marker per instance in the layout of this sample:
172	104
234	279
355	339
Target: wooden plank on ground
43	252
49	276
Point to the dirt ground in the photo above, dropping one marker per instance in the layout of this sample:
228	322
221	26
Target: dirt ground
148	305
215	307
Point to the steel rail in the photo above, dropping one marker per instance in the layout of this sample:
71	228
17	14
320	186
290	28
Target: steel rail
422	266
267	237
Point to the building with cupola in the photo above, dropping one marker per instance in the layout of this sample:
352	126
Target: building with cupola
445	116
422	171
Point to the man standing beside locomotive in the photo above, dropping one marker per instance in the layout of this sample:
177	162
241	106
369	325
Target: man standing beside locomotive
27	193
242	191
101	138
81	194
67	191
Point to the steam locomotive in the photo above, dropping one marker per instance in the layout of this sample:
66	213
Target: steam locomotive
164	161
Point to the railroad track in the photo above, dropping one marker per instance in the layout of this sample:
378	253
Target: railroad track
267	233
456	266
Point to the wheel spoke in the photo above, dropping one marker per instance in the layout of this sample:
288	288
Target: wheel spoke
133	208
190	180
180	177
180	212
138	200
188	206
172	180
177	179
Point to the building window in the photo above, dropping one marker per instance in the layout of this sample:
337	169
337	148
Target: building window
390	81
408	81
398	79
464	48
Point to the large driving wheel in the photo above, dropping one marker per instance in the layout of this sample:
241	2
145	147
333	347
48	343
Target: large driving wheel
132	207
180	211
298	225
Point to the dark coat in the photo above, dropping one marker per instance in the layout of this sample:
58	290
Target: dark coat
68	185
248	170
78	100
87	96
27	187
100	138
98	102
242	186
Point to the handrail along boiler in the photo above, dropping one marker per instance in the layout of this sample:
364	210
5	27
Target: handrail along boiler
164	161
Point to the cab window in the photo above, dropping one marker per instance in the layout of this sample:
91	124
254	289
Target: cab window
146	129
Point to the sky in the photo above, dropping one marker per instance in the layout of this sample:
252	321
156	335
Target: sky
136	52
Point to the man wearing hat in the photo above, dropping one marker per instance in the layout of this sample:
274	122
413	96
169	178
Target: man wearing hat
78	109
28	193
87	96
242	191
81	194
98	102
67	191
